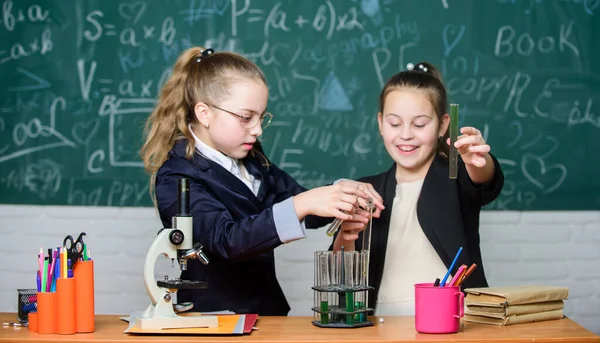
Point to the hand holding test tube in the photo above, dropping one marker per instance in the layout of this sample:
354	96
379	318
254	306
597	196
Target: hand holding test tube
335	225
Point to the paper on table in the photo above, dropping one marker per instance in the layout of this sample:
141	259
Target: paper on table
228	324
139	314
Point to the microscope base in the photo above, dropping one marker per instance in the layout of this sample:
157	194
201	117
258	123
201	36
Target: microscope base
178	322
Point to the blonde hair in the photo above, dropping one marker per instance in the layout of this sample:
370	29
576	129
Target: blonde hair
194	78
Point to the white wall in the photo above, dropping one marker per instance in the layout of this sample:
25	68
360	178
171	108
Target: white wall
518	247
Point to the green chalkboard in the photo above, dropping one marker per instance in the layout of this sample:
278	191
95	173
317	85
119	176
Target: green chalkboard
79	79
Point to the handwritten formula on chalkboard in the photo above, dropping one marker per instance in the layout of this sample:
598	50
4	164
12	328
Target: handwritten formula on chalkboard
79	79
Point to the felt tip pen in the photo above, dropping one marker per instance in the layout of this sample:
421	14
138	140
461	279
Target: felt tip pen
467	273
458	276
451	267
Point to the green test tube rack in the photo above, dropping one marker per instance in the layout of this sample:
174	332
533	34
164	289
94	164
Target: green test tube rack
341	289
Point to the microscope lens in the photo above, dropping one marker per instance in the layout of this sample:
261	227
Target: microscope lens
183	198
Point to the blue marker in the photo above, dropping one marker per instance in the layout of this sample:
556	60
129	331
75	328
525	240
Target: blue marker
443	283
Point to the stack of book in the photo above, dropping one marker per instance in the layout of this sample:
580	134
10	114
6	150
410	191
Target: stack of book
514	304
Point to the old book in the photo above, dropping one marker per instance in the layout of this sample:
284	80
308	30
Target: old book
515	295
499	319
515	309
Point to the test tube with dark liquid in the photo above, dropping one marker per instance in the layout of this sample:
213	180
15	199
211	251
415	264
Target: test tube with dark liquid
453	158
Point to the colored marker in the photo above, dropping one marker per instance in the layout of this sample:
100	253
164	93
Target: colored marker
467	273
458	276
451	267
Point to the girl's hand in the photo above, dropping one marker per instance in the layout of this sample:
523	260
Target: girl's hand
374	198
472	147
350	229
339	201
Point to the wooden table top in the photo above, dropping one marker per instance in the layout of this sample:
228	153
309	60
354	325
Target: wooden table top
109	328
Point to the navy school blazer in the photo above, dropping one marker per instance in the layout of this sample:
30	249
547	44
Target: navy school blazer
448	211
235	227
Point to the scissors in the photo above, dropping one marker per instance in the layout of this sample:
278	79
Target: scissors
74	247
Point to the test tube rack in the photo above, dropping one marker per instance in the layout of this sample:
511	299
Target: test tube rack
341	289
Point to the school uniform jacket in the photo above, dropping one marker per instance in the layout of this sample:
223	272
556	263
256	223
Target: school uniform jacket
236	229
448	212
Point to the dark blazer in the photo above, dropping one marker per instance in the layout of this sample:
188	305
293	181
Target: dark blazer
236	229
448	211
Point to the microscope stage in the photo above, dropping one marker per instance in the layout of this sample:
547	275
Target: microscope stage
182	284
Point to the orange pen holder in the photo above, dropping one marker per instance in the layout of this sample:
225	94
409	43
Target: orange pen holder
65	291
32	322
83	273
47	319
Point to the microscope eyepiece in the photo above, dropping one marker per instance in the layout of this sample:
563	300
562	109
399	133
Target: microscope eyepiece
183	198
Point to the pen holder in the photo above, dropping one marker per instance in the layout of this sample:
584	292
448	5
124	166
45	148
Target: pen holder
32	323
341	289
46	312
65	291
26	303
83	273
438	309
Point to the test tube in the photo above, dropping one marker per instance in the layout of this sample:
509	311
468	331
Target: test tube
334	226
366	238
453	158
322	277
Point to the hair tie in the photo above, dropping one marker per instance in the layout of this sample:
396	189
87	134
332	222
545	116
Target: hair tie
204	54
420	66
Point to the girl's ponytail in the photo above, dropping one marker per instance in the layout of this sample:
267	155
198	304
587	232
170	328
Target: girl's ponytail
169	120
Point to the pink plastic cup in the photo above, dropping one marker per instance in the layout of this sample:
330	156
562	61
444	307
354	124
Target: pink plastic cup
438	309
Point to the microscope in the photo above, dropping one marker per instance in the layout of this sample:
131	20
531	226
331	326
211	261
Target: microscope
177	244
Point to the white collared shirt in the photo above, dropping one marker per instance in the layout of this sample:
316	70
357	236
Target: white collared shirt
232	165
287	225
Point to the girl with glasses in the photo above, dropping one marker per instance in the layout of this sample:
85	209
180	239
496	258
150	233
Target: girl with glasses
205	127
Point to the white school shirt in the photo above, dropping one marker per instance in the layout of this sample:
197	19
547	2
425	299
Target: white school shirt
287	225
232	165
410	258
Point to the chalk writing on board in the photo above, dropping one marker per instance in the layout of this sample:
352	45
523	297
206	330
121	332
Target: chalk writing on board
508	41
36	82
82	78
542	177
30	14
589	6
33	135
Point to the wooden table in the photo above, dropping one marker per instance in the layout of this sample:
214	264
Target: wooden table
299	329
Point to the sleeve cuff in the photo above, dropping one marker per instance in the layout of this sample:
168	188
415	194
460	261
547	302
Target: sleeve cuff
287	225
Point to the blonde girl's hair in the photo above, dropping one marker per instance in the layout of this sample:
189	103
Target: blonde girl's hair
195	77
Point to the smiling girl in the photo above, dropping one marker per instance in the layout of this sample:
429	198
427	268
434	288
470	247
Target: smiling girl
428	216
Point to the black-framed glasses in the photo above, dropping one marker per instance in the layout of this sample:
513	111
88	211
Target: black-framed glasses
248	122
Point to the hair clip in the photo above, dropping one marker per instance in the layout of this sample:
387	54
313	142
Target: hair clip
422	68
205	53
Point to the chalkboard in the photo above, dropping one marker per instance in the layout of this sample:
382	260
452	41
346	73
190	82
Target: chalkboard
79	79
